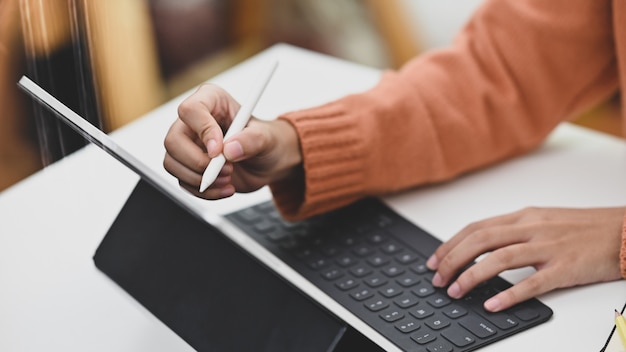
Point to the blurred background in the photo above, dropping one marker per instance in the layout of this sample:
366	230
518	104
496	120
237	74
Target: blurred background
113	61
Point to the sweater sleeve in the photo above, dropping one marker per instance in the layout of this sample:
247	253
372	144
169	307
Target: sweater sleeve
516	70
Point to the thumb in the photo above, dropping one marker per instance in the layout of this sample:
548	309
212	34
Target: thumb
233	150
251	142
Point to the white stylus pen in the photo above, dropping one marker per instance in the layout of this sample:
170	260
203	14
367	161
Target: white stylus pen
239	122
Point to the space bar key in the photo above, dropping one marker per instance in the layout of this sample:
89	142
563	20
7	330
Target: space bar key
478	327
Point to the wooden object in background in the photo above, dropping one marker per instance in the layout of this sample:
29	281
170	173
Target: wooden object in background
394	26
18	154
123	58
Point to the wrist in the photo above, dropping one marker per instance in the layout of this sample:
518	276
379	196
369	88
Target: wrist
288	145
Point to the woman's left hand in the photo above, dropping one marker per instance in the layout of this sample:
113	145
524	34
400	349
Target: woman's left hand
567	247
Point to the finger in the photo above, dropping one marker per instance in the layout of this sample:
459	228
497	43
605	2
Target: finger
190	177
181	145
509	257
474	245
222	186
183	173
226	189
205	112
534	285
445	248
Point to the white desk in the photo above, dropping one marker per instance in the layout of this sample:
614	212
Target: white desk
52	298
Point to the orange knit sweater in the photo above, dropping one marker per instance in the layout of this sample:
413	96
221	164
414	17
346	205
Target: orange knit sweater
518	69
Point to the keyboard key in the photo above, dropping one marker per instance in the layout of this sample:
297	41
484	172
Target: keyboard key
459	337
375	281
407	325
392	270
437	322
440	346
501	320
408	280
526	314
360	271
454	312
392	315
348	241
362	294
477	326
406	300
264	226
363	250
248	215
423	290
423	337
406	258
422	312
378	260
332	274
347	284
383	220
304	254
376	304
330	250
278	235
376	238
346	260
391	248
318	263
438	300
419	268
390	291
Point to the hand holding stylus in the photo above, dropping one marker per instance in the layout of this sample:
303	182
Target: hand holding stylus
239	122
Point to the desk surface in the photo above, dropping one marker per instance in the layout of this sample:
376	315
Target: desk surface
54	299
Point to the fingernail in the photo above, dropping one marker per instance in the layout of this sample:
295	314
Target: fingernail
437	281
493	304
211	148
454	290
233	151
432	262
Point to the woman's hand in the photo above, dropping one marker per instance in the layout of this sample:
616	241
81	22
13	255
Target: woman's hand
567	247
263	152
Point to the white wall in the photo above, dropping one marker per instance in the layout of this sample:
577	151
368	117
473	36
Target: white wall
437	21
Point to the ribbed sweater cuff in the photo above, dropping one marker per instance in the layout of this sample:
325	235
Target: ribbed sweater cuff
333	164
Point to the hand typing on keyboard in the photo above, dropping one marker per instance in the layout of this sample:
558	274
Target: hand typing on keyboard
555	241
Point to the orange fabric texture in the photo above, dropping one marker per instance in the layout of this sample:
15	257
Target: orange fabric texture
517	69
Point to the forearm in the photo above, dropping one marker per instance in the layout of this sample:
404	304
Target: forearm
503	86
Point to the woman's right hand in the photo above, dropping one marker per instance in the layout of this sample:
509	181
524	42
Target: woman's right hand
265	151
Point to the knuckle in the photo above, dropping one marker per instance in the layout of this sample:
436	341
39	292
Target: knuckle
472	227
447	265
481	235
199	164
468	279
532	286
504	257
169	141
185	108
536	284
167	164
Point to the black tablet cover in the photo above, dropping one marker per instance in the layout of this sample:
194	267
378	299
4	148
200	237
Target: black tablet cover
202	286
